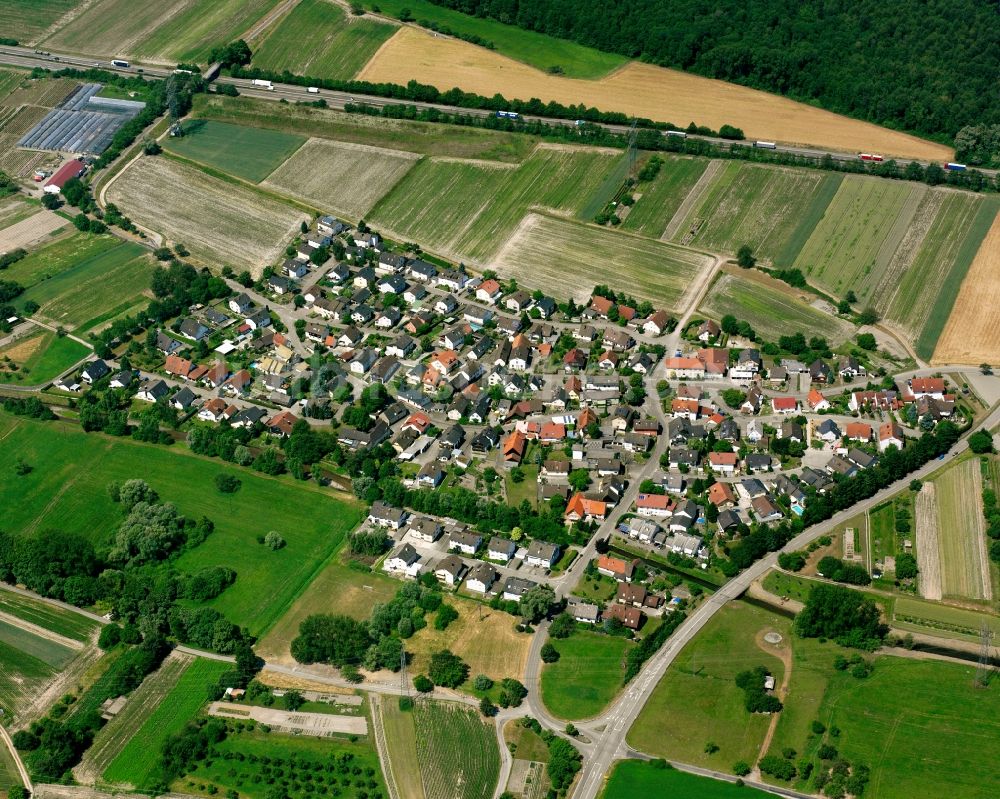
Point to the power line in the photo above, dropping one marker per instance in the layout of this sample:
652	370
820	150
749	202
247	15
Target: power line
983	669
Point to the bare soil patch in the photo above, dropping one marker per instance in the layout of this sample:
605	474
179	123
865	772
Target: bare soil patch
928	548
28	231
970	335
641	89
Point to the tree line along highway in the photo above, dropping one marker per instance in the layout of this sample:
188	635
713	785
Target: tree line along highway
28	57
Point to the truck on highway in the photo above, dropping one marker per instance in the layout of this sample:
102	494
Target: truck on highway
508	115
120	63
871	157
264	84
953	167
312	90
765	145
680	134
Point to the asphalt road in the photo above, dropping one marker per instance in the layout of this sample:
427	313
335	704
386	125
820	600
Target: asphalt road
27	57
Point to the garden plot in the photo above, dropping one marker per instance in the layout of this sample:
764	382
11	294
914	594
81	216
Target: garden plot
343	177
965	566
221	224
560	256
457	751
929	580
662	196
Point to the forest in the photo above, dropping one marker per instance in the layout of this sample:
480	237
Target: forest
926	66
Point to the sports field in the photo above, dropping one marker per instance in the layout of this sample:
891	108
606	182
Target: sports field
633	778
637	89
320	40
162	705
662	196
39	357
557	255
748	204
770	308
70	493
426	138
26	20
887	720
248	153
852	247
219	223
965	566
970	334
697	702
589	673
340	176
93	284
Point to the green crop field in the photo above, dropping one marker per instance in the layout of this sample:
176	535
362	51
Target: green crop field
26	20
662	196
534	49
853	245
201	25
22	676
749	204
962	539
770	309
40	357
245	760
248	153
344	177
58	256
633	778
920	726
455	747
697	700
320	40
63	622
828	187
175	698
93	285
559	256
9	776
883	531
477	207
425	138
50	652
587	676
70	493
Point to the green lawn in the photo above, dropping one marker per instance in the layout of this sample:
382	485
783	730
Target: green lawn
27	19
587	676
248	153
534	49
137	764
52	355
698	702
68	490
64	622
93	285
662	196
319	39
302	753
59	256
631	779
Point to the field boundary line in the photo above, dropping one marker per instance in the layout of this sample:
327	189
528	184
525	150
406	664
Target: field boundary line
693	196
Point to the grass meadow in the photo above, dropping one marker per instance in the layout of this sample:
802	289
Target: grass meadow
68	490
770	308
248	153
965	570
93	285
26	20
587	676
319	39
400	731
47	262
532	48
175	697
558	255
63	622
40	357
633	778
662	196
749	204
697	701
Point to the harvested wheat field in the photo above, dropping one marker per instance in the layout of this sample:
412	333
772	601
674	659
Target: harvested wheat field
971	333
347	178
26	232
644	90
221	224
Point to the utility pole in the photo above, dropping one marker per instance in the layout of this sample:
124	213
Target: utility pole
983	668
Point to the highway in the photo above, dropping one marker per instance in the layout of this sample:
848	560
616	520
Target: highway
28	57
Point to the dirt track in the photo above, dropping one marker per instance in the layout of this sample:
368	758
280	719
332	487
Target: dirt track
644	90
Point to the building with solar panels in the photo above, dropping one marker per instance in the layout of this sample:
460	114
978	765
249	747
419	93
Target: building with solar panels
83	123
